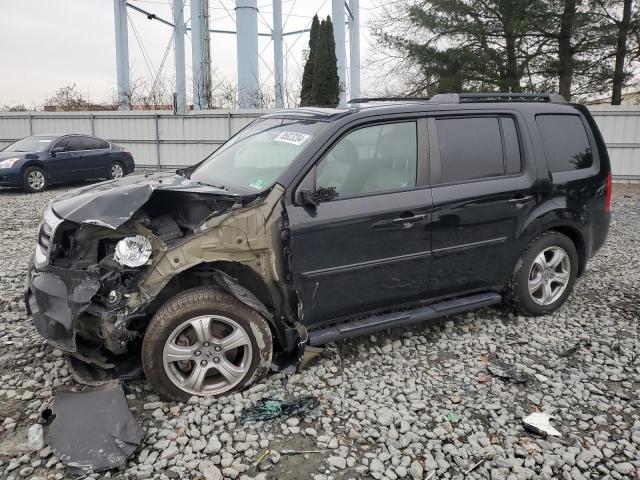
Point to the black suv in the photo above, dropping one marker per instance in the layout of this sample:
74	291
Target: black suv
313	225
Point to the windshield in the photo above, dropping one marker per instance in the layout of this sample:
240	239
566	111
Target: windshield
39	143
253	159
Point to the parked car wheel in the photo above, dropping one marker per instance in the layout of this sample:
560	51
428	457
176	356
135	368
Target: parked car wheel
117	171
205	342
545	275
34	179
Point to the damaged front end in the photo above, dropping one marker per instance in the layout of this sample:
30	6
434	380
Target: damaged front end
109	255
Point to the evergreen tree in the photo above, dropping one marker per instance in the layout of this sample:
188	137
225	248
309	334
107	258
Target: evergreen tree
566	46
306	94
326	83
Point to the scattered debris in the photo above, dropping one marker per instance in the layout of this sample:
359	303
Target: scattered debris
538	422
483	378
93	430
478	463
288	363
474	466
36	437
430	475
310	354
299	452
456	399
541	377
574	349
503	370
272	408
454	417
529	445
264	455
570	351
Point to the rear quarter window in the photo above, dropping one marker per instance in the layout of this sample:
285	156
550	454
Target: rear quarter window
565	142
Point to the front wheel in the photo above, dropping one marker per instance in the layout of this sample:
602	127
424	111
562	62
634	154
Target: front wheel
544	276
34	179
205	342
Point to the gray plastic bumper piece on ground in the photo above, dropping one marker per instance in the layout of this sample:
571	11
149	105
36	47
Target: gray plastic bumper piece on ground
93	430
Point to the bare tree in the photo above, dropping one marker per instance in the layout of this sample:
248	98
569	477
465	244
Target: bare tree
14	108
145	95
68	99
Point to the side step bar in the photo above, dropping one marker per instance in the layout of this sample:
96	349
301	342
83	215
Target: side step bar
400	319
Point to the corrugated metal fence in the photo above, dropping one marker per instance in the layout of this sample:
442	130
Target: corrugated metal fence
620	127
156	139
161	139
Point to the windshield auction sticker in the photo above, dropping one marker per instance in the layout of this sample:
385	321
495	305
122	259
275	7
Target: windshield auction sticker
294	138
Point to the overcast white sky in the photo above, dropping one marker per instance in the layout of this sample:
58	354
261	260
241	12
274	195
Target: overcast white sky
46	44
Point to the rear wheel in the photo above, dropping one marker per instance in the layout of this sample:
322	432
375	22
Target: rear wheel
117	170
205	342
545	275
34	179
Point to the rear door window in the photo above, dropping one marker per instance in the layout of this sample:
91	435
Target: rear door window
565	141
473	148
91	143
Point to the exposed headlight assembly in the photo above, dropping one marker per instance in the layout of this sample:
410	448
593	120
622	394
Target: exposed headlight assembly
8	162
133	251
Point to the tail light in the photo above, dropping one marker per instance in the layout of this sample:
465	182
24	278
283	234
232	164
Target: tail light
607	204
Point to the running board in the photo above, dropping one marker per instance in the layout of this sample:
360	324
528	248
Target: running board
401	319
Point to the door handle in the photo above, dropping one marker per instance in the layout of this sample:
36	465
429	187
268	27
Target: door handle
520	199
409	220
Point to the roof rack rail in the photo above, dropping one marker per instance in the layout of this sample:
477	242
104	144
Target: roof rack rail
387	99
496	97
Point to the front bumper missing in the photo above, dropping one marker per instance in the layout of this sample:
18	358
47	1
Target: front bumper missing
55	297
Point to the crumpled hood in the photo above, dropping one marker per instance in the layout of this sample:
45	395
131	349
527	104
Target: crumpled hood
110	204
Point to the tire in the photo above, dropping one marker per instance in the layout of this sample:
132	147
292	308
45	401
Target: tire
34	179
534	290
116	170
241	324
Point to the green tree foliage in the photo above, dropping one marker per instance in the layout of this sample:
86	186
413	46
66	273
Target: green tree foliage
326	83
306	95
568	46
320	81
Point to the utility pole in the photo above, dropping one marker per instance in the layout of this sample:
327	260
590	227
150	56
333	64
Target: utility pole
247	53
200	54
122	54
354	47
337	10
278	58
180	31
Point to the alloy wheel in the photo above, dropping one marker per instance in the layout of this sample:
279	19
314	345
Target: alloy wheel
549	275
207	355
36	180
116	171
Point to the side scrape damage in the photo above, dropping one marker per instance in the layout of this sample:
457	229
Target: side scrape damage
97	309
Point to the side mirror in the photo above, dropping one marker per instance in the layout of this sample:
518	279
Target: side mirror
55	150
309	199
313	198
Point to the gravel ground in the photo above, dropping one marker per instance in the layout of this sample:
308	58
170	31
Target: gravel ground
418	403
